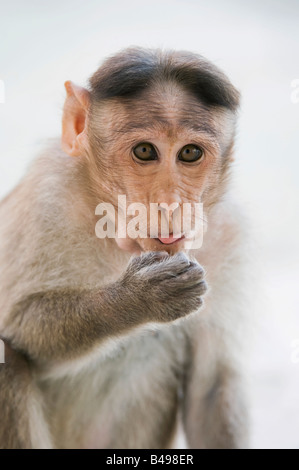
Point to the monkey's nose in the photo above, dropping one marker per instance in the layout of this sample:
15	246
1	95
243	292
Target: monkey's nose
170	219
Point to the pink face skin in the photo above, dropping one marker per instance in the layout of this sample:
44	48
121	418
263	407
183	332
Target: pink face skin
169	119
166	180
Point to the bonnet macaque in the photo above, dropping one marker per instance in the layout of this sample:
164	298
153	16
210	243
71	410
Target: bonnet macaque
111	342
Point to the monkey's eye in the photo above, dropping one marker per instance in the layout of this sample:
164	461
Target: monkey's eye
190	153
145	152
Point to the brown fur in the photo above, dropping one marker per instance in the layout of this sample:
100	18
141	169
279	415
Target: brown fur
106	348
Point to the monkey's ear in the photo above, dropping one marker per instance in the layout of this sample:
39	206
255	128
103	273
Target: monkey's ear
74	119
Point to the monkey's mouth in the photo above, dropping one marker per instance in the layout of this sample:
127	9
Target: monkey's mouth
170	240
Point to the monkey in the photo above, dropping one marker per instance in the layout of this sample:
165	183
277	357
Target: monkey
116	342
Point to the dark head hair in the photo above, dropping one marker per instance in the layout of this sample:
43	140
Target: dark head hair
132	71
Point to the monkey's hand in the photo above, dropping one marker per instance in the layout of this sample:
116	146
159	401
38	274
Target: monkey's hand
155	287
167	287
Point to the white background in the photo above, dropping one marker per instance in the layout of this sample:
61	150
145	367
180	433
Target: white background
256	43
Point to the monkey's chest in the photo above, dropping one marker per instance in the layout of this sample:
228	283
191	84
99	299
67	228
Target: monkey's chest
124	400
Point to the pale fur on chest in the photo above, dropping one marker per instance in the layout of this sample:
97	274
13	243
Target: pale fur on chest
117	381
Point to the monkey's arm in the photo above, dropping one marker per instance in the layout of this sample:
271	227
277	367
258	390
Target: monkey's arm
22	426
14	391
215	405
65	324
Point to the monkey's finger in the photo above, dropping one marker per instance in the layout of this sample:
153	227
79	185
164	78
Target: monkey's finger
177	266
149	258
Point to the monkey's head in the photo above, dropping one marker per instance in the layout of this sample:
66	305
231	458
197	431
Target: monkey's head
158	128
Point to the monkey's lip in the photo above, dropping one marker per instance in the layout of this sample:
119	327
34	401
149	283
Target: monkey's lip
170	240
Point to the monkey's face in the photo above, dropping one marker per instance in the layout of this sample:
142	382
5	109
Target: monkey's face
163	150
